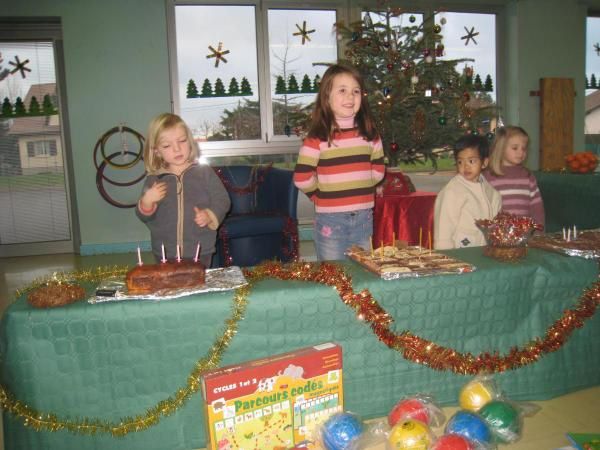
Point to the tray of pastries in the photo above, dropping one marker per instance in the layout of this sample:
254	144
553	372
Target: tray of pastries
391	262
585	244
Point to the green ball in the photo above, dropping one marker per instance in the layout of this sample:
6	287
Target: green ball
503	420
442	120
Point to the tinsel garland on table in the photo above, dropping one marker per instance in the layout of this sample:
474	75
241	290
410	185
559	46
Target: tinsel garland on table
44	421
367	309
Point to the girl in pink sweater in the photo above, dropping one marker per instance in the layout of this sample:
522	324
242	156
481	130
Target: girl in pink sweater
507	173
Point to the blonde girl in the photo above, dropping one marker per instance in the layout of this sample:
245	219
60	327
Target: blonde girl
182	202
509	176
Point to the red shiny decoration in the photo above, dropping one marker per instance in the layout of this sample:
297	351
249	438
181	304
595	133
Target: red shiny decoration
439	50
394	147
466	96
423	351
390	67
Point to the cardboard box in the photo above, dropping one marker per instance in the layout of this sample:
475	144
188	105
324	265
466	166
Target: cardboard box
273	403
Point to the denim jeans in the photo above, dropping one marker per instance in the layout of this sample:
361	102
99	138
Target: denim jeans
336	232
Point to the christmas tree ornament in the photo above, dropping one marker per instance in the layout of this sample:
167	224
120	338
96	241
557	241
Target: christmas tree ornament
427	52
390	67
475	132
466	96
437	28
386	91
489	135
217	54
439	50
429	59
442	120
414	79
355	36
470	36
412	19
394	147
303	32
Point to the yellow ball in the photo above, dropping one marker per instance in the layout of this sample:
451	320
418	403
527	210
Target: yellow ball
410	435
475	394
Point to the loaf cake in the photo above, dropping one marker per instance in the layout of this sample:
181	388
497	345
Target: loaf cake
150	278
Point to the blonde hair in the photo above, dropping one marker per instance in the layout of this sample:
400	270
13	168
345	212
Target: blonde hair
166	121
499	145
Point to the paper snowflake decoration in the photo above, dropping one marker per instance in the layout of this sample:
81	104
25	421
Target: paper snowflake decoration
470	36
303	32
217	54
19	66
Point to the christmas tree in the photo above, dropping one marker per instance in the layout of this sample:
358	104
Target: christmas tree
420	101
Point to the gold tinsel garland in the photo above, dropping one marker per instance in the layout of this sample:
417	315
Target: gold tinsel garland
42	421
411	346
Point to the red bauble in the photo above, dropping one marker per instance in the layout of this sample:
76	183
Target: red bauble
390	67
394	147
410	408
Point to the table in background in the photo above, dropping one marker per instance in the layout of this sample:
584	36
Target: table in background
570	199
114	360
405	215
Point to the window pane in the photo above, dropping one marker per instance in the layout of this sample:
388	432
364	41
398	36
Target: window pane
298	41
217	71
33	197
592	77
480	46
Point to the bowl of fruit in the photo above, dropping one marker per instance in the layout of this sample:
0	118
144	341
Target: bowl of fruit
582	162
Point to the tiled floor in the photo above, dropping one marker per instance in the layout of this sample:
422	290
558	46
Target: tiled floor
576	412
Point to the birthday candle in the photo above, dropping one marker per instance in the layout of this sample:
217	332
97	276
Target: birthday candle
393	239
420	236
162	247
564	234
178	254
197	252
569	235
574	232
430	242
139	256
371	245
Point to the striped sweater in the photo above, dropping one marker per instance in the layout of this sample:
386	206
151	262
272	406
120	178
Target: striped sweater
520	192
341	177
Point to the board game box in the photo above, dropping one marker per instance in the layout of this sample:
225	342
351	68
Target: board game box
273	403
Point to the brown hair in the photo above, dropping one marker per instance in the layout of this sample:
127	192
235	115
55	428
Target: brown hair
499	144
166	121
323	123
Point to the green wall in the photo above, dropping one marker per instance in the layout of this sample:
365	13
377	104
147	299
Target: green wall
117	70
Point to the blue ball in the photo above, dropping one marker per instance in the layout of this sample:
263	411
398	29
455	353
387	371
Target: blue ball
340	430
469	425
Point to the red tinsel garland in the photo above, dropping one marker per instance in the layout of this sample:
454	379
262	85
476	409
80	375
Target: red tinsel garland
423	351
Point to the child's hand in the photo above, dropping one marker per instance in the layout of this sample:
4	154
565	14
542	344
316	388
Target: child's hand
155	194
202	218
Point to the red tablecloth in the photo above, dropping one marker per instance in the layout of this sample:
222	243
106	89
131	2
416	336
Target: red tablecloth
404	215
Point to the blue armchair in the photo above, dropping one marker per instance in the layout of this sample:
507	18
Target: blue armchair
262	223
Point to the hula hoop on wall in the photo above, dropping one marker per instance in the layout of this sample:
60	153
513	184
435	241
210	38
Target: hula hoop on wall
120	129
100	177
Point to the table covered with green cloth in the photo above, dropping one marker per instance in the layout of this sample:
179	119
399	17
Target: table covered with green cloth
116	360
570	199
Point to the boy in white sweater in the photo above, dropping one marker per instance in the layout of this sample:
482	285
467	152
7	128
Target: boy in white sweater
466	198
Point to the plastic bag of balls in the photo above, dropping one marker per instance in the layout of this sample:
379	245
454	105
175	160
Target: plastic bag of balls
339	431
480	390
419	407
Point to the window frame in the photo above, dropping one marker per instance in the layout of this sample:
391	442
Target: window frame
268	143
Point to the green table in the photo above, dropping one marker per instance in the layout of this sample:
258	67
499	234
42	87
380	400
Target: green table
570	199
118	359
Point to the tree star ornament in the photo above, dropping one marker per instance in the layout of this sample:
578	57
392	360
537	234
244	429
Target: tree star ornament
597	48
470	35
217	54
303	32
19	66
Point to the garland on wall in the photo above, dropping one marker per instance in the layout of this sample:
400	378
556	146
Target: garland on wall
367	309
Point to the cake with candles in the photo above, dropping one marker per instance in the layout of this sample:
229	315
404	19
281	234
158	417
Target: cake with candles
180	274
151	278
572	242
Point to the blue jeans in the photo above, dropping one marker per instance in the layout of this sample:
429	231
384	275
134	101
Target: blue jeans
336	232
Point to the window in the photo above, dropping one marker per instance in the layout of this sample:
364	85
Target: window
592	79
34	195
246	74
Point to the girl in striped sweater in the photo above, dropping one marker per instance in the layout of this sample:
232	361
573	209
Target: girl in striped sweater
340	163
507	173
